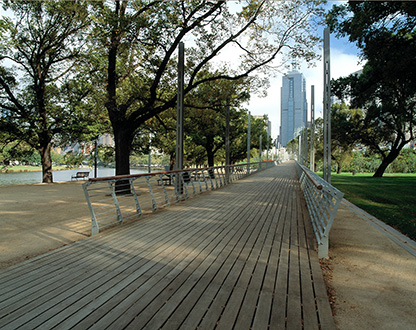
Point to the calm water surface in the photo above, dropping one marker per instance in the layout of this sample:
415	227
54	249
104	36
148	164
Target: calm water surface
36	177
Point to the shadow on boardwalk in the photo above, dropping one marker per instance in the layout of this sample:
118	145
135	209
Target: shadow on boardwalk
240	257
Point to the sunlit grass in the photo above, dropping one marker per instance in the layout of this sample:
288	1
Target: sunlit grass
21	168
391	198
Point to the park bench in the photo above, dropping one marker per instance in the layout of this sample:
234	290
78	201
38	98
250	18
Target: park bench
80	175
167	180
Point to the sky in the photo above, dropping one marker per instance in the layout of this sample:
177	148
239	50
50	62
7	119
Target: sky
344	60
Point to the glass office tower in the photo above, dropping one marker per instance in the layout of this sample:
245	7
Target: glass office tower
294	107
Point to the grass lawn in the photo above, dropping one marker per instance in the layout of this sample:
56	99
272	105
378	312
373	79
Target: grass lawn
20	168
391	198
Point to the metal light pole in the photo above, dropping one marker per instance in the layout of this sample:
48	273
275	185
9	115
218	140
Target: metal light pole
268	137
179	117
327	108
312	156
260	151
95	156
248	142
227	143
150	156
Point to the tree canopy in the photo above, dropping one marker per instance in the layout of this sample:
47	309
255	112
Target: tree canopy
135	45
386	88
64	61
40	95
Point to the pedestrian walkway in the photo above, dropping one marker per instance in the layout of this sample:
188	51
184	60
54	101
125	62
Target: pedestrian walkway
240	257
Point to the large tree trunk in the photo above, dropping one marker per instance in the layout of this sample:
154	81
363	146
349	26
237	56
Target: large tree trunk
172	160
210	156
46	159
123	139
388	160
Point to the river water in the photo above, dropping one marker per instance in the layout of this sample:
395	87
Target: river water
36	177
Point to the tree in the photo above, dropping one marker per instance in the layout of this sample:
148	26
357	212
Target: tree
386	89
207	105
135	43
41	43
346	130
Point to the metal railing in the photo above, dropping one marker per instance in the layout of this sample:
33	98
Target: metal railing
322	200
113	200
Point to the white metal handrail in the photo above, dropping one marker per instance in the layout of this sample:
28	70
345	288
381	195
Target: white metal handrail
113	200
322	200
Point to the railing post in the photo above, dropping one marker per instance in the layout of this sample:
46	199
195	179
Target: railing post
123	192
114	195
197	175
164	190
154	205
94	224
138	208
319	197
323	248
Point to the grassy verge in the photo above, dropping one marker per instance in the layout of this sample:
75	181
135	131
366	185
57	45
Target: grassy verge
391	198
19	168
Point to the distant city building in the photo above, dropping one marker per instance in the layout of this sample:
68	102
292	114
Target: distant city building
294	106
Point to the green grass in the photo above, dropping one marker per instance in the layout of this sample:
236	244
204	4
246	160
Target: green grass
20	168
391	198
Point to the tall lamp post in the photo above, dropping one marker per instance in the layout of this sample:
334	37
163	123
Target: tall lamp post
327	108
179	117
248	142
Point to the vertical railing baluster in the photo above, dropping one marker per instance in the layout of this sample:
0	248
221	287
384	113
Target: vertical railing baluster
154	205
164	190
95	229
136	199
116	204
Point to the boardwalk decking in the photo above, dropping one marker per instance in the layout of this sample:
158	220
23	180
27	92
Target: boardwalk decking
236	258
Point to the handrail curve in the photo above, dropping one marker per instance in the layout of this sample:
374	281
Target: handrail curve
115	199
322	200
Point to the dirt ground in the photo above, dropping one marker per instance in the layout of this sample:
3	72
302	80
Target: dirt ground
372	280
36	218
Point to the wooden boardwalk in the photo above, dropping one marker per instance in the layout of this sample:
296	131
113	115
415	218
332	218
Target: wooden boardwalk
240	257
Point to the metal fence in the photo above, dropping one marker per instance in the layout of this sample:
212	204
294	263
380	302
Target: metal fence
113	200
322	200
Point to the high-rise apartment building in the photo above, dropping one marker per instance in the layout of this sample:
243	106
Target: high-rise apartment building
294	107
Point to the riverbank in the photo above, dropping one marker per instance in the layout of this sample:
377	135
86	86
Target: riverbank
29	168
17	178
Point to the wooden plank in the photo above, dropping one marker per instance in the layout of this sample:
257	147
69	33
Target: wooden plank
220	266
108	316
180	286
91	279
92	285
279	304
223	292
240	257
246	312
294	313
309	312
214	286
263	309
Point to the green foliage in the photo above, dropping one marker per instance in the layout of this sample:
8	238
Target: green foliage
367	162
134	47
39	100
346	129
73	160
385	90
390	199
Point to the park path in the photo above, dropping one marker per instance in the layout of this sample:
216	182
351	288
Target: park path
240	257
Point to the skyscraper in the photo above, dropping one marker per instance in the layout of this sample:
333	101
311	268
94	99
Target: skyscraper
294	107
